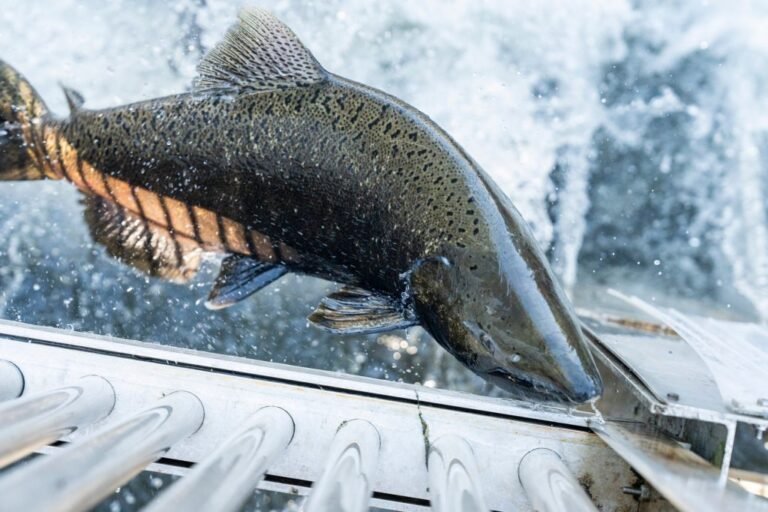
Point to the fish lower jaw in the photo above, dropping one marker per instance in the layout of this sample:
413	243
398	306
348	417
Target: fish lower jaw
529	389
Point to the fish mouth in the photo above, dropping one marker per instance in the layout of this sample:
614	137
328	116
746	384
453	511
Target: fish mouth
539	389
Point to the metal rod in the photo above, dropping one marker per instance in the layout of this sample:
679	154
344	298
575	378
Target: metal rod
346	482
11	381
550	485
83	473
454	480
225	479
40	419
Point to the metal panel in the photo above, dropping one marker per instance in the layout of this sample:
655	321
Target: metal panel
79	476
627	400
736	354
669	367
686	480
225	479
42	418
305	377
679	387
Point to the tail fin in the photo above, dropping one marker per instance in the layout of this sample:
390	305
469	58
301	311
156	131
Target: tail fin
21	110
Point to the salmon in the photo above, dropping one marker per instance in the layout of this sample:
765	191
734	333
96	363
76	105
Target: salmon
285	167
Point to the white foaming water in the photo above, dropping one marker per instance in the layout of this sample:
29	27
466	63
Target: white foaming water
531	89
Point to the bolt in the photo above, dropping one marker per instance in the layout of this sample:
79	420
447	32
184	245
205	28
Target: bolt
642	492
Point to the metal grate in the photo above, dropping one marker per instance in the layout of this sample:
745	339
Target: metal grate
230	425
103	410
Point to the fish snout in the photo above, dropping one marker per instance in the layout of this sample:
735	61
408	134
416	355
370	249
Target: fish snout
590	389
576	373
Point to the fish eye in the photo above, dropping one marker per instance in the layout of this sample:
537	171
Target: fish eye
476	329
487	342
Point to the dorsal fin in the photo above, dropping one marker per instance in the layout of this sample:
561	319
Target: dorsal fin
75	100
140	244
259	52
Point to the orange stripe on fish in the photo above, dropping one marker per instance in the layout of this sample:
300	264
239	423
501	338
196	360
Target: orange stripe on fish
234	236
192	227
262	247
208	228
151	207
122	193
181	222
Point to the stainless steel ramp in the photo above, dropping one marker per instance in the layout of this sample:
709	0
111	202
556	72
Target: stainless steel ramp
357	437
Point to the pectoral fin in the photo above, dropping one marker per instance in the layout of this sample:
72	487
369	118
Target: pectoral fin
240	277
138	242
354	310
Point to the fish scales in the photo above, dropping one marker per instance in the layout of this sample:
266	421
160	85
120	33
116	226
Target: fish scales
360	165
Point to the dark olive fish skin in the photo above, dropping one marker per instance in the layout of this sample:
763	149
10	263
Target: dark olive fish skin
330	178
375	184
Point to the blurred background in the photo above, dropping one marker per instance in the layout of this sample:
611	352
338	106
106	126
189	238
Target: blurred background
632	135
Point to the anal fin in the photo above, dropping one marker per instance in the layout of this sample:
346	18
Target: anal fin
239	278
139	243
354	310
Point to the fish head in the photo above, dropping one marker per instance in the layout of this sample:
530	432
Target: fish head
510	324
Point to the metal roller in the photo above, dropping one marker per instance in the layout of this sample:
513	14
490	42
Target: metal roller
454	480
345	485
11	381
550	485
82	474
225	479
42	418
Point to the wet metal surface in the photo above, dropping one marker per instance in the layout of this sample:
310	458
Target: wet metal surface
685	479
407	417
550	485
226	478
455	484
42	418
664	382
669	367
11	381
83	473
735	353
345	485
